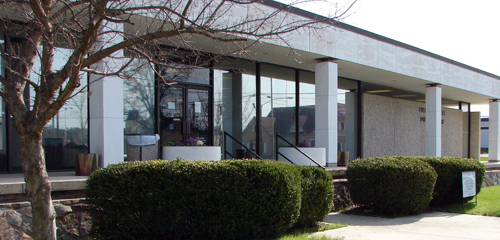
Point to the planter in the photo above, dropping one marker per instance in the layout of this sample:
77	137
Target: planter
191	152
318	154
86	163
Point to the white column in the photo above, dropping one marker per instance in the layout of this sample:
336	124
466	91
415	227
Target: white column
326	78
106	106
494	132
433	121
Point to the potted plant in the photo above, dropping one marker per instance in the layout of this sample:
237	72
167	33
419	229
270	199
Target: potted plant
190	149
316	153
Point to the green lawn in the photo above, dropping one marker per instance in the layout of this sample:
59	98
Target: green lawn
488	203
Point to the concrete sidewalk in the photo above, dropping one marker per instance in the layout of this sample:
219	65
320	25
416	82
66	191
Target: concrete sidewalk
427	226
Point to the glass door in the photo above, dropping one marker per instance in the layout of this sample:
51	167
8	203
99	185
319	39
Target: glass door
184	114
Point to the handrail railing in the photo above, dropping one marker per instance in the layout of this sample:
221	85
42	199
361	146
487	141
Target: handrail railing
238	142
291	145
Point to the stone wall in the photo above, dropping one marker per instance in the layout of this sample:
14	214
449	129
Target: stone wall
73	220
491	178
392	126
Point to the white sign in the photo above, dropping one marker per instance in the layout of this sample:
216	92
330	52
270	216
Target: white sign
469	183
171	105
197	107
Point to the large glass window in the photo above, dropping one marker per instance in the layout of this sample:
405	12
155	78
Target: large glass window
67	133
347	119
307	108
139	98
278	107
235	105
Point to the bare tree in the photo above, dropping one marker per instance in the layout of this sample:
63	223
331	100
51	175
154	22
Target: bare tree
104	36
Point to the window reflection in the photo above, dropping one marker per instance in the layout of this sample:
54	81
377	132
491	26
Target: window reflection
139	98
278	107
66	134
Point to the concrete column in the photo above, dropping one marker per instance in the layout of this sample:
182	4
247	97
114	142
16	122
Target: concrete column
433	121
494	132
106	105
351	121
326	79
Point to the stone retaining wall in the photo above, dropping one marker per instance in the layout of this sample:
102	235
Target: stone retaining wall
491	178
72	220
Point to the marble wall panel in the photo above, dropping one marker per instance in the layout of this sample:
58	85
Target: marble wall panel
419	66
451	132
475	139
367	51
409	128
394	126
377	126
387	56
433	69
404	61
346	47
323	41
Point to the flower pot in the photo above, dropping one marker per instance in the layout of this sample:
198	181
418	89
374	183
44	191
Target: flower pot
191	152
318	154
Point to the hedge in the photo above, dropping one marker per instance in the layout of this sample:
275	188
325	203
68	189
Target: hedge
391	185
317	196
448	189
240	199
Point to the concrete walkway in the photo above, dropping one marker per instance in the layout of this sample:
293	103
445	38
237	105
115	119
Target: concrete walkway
427	226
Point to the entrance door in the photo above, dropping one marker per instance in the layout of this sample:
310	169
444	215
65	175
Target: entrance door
184	113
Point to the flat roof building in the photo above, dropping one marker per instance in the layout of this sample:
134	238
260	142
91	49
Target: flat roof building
353	92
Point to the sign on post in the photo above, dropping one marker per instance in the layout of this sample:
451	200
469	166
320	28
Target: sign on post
468	185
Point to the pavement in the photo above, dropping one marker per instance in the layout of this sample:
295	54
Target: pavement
427	226
60	181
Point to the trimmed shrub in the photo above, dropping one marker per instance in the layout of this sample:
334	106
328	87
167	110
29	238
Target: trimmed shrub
448	189
317	196
391	185
194	199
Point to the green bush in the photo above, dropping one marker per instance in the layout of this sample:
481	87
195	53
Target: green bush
391	185
448	189
194	199
317	196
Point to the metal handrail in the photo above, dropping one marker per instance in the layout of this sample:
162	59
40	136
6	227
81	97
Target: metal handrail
241	144
291	145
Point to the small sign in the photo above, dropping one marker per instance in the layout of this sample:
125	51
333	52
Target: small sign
469	184
171	105
197	107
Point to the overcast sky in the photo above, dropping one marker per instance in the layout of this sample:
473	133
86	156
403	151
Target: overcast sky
463	30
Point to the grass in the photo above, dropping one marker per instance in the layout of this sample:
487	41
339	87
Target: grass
488	203
303	234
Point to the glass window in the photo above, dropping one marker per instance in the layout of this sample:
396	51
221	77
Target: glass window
278	107
66	134
307	101
235	105
347	105
139	98
185	74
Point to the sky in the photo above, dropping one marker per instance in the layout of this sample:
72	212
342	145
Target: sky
463	30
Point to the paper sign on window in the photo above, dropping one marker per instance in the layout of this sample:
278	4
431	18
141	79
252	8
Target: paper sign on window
197	107
171	105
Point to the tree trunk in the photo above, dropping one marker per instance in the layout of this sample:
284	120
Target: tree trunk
38	186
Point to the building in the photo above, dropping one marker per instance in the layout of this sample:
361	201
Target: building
352	91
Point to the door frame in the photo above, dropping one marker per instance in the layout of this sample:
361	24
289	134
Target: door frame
185	88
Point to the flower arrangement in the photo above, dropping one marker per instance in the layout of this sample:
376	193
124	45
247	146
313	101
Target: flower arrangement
191	141
303	144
